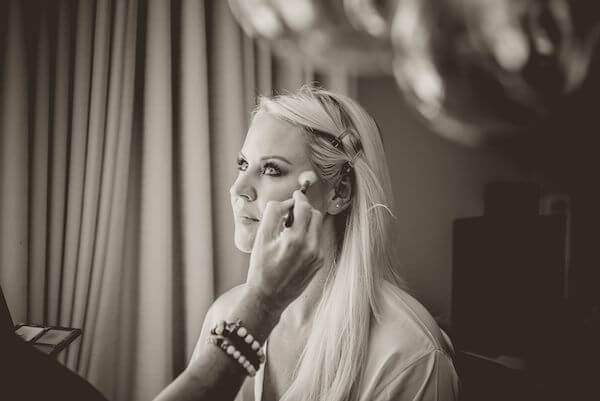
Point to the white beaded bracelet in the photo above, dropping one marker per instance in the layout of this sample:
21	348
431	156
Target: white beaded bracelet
221	336
238	356
255	345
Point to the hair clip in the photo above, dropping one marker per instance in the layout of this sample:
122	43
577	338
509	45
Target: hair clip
336	141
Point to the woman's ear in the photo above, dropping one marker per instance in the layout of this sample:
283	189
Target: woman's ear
340	196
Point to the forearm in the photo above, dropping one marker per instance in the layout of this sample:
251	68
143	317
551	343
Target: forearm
214	374
257	315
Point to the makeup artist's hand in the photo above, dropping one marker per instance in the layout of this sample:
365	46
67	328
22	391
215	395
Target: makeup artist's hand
284	260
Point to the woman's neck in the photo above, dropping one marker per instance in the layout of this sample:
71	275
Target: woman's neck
301	310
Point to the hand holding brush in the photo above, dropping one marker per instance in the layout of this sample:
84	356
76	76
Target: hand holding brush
305	179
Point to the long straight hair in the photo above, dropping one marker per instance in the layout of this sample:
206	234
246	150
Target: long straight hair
331	365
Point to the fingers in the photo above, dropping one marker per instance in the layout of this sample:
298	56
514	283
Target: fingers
273	216
275	213
302	212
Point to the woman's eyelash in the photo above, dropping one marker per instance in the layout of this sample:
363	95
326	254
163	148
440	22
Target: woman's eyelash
271	165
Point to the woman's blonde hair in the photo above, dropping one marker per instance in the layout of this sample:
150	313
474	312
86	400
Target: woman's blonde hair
331	365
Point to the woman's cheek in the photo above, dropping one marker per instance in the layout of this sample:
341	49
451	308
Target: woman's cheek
278	196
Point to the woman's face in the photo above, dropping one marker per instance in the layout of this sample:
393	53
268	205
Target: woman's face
269	163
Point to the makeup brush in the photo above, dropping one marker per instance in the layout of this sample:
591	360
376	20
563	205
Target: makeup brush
305	179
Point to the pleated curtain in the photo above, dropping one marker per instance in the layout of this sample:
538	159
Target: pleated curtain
121	122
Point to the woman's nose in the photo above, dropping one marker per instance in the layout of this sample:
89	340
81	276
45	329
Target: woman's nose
242	187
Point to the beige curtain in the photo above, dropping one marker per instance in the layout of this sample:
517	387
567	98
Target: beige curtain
121	121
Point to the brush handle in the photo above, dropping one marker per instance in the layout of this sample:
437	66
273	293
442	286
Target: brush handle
290	217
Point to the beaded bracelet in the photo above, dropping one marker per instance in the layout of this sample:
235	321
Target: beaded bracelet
237	342
233	352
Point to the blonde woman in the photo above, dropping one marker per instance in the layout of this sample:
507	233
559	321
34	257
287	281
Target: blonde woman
353	333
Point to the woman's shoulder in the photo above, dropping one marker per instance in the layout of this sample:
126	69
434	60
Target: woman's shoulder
404	328
406	349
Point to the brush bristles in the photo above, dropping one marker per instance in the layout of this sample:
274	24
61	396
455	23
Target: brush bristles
306	179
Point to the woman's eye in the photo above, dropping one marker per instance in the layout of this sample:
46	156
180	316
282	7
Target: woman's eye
242	164
268	168
271	169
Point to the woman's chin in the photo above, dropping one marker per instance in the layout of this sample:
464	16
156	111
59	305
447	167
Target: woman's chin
244	242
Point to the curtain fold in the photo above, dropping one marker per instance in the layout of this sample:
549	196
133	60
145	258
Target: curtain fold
58	159
14	167
121	122
155	277
39	179
76	312
76	167
102	313
196	183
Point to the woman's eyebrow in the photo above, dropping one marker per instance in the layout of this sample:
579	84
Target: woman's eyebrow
270	157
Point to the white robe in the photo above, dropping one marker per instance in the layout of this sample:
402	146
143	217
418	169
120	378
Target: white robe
409	357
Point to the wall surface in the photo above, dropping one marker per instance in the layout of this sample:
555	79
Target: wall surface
435	181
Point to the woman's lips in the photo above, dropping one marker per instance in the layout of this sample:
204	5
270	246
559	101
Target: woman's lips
247	220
